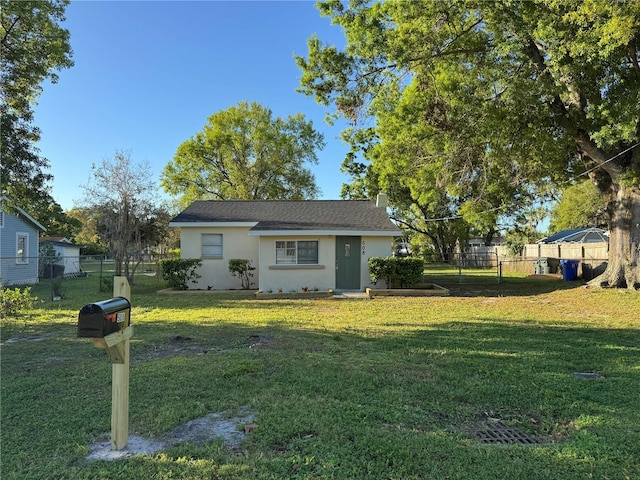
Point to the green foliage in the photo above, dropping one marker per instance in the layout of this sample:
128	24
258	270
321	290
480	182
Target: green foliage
33	47
56	286
180	271
482	108
88	235
408	381
244	153
403	271
15	301
106	283
47	255
242	268
580	206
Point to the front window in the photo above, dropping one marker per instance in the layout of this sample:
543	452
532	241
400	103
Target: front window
212	245
297	252
22	248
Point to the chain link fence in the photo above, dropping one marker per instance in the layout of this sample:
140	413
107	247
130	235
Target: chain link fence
492	268
31	270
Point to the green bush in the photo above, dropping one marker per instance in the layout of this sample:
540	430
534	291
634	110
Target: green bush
180	271
14	302
403	271
242	268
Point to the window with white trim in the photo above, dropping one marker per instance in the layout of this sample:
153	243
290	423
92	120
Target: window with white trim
211	245
296	252
22	248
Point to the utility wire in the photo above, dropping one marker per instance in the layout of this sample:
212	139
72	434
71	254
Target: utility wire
458	217
610	159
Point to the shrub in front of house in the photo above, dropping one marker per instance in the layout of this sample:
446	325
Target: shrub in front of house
180	271
241	267
403	271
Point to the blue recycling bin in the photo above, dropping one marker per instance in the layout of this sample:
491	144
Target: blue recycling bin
569	270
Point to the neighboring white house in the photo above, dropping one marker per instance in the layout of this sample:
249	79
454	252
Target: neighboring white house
68	255
318	244
18	246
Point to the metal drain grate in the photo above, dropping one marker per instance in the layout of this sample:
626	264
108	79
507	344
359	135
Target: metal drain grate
500	433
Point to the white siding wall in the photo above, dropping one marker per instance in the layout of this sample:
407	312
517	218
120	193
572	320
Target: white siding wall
236	243
71	259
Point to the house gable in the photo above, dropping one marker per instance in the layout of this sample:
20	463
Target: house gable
18	247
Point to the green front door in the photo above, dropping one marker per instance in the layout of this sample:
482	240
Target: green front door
348	263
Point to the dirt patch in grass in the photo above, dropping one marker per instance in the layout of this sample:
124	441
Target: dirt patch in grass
177	345
182	345
231	428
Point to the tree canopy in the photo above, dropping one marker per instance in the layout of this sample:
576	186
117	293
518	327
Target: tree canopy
32	48
579	206
486	106
244	153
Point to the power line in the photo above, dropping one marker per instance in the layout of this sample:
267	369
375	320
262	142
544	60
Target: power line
610	159
458	217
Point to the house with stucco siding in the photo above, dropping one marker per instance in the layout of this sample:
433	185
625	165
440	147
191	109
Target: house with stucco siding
318	244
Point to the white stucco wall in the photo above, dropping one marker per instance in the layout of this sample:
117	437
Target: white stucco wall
273	277
293	277
373	247
236	243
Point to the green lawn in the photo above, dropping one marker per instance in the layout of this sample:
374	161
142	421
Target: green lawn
390	388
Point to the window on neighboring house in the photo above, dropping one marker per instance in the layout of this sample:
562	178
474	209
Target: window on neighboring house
297	252
22	248
212	245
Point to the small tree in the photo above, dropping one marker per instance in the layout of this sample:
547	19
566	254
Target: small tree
240	267
123	200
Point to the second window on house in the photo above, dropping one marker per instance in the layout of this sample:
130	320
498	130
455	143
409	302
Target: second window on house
212	245
297	252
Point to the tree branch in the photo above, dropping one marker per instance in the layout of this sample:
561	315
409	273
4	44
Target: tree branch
8	32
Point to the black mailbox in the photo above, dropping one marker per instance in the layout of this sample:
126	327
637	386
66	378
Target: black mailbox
97	320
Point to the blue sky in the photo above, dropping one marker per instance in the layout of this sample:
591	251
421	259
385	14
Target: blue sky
148	74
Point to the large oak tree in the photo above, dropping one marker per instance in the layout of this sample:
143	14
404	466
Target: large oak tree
512	96
243	153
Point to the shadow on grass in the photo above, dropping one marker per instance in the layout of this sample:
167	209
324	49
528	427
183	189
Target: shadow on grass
335	403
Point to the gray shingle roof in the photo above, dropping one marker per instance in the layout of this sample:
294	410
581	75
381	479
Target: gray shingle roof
279	215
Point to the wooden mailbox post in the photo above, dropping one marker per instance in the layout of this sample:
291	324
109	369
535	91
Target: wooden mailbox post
117	346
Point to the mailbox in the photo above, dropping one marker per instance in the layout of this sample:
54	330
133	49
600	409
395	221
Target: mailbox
97	320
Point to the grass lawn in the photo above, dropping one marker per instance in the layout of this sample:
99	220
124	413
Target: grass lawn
390	388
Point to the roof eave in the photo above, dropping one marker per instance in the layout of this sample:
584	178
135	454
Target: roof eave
346	233
204	224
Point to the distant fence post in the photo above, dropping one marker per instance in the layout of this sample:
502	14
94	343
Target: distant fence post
100	276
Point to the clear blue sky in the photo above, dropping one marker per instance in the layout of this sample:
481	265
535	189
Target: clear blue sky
148	74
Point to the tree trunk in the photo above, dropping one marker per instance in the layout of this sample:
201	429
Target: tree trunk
623	268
